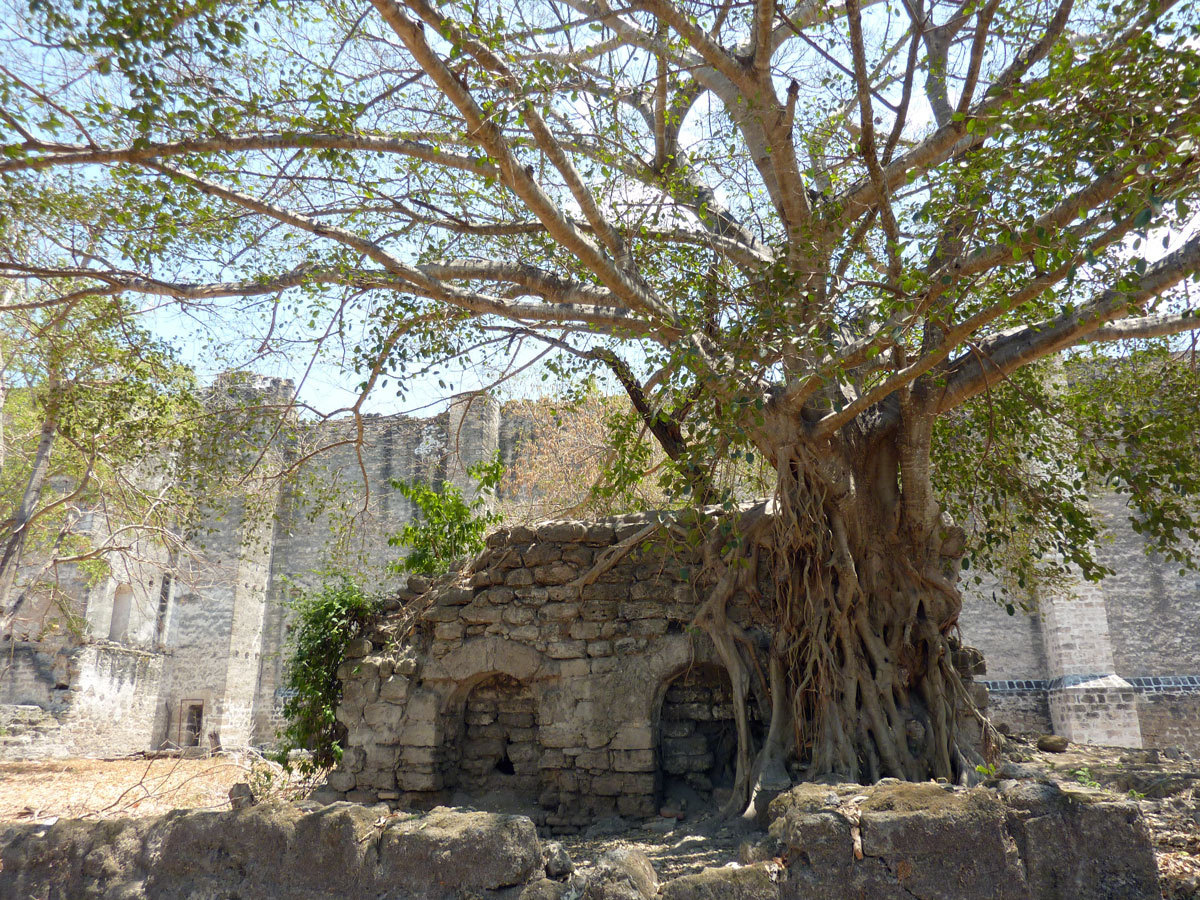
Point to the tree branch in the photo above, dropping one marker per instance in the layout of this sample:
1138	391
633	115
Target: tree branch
1003	354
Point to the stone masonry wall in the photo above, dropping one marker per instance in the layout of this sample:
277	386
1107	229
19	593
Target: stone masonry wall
311	532
573	675
101	699
559	667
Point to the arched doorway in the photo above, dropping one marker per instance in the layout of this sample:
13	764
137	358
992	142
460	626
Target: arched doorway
697	737
498	750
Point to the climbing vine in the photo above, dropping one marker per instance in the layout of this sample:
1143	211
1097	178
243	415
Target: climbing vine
327	620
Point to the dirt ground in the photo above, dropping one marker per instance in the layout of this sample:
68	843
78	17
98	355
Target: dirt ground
37	791
1167	788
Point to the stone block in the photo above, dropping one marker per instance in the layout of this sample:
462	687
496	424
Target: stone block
441	614
559	612
599	648
616	784
498	596
540	554
649	627
552	759
627	646
449	631
341	781
633	760
381	715
605	591
480	614
561	532
456	596
641	609
418	781
600	533
574	668
567	650
555	574
519	578
598	610
593	759
418	734
424	757
353	759
558	736
756	882
394	689
578	555
584	631
518	615
633	737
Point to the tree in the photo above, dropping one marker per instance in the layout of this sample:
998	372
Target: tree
830	237
96	411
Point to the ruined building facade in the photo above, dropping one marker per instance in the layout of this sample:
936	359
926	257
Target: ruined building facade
175	654
189	652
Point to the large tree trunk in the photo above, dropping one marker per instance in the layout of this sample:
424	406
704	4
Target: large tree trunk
867	599
861	683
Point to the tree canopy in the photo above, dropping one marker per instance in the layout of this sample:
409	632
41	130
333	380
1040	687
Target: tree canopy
844	238
95	410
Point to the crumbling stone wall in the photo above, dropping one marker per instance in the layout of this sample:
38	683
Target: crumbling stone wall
560	666
96	700
516	676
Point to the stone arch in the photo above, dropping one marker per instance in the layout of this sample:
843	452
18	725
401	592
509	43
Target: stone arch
490	744
696	736
118	626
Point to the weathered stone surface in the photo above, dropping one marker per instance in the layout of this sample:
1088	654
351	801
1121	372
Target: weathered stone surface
544	889
240	796
621	874
446	850
1079	843
634	865
557	860
757	882
1053	743
272	850
932	842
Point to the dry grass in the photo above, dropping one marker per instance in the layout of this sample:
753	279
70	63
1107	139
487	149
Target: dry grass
38	790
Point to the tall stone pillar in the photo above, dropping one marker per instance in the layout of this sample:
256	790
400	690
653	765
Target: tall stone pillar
1089	702
215	635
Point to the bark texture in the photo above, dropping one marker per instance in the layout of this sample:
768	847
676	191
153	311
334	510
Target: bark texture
858	680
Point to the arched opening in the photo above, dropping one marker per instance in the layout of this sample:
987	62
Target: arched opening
118	628
497	747
697	738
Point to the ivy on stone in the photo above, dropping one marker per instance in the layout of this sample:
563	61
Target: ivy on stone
328	619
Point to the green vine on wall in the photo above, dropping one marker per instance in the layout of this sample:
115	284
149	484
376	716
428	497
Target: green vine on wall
327	620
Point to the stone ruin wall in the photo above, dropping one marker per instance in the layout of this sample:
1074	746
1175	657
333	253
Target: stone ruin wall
97	700
515	681
214	627
1118	662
